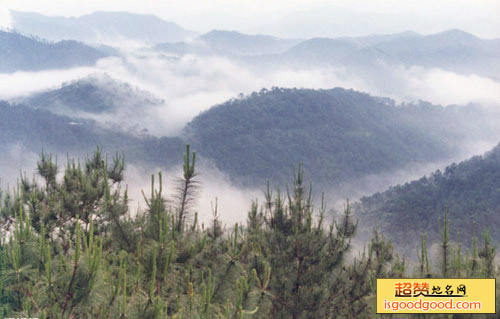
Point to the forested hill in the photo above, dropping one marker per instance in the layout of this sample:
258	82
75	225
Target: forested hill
38	129
96	93
470	191
21	53
337	134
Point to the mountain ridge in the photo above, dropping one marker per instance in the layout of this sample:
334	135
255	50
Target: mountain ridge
22	53
101	27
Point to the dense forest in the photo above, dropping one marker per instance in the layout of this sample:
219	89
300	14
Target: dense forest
338	134
469	191
71	248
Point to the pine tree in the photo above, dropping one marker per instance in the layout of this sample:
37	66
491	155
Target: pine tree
444	231
186	189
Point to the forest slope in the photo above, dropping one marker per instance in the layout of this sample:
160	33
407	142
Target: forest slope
37	129
469	190
337	134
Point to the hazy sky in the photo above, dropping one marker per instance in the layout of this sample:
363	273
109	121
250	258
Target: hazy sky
481	17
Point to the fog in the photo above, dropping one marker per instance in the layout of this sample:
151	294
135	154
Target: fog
25	82
191	84
233	203
14	161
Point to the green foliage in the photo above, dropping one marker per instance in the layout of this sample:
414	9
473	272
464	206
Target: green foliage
187	189
70	248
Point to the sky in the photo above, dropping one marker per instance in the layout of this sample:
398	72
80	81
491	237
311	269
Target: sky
481	17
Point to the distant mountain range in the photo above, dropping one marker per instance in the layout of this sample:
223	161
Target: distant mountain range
469	190
452	50
101	27
21	53
230	43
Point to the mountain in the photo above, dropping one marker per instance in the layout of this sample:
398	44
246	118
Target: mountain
452	50
469	190
21	53
101	27
96	93
232	43
243	44
321	49
372	39
99	97
38	129
331	50
339	135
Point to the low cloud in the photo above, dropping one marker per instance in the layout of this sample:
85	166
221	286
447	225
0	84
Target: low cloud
25	82
191	84
438	86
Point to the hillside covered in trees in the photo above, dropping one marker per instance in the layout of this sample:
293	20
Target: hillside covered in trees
96	93
337	134
37	129
469	191
20	52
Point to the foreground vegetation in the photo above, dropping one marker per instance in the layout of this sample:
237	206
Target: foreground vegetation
71	248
